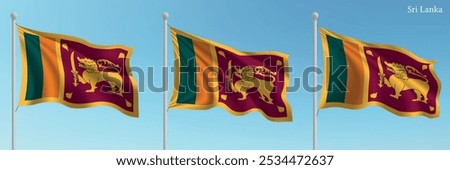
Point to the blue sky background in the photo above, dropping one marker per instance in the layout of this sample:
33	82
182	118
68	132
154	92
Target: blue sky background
248	25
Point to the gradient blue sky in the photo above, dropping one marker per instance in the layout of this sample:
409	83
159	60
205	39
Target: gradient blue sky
248	25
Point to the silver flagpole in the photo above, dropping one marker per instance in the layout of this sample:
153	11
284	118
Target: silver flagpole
165	16
13	79
315	16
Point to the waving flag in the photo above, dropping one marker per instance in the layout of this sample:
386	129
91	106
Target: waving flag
359	74
209	74
75	73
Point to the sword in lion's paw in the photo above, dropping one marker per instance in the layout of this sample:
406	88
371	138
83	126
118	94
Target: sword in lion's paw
380	73
74	69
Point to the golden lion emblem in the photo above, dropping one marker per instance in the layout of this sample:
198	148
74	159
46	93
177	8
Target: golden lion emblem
248	81
401	81
92	75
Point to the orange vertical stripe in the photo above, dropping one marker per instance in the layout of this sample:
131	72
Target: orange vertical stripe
50	66
203	58
355	74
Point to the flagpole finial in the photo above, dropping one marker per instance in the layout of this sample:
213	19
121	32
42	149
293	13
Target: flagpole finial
165	15
315	15
13	15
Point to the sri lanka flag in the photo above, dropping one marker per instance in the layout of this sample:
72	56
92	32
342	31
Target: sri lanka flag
76	73
359	74
209	74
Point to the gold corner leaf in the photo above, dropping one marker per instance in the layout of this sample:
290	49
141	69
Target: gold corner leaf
221	53
431	108
368	52
65	46
279	63
281	109
121	55
424	67
129	104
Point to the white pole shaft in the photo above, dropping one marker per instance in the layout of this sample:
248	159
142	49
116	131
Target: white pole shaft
13	80
315	16
165	74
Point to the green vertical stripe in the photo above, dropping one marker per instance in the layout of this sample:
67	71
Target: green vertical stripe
34	65
187	87
338	70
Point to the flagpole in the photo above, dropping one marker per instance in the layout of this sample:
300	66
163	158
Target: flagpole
13	79
315	16
165	16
